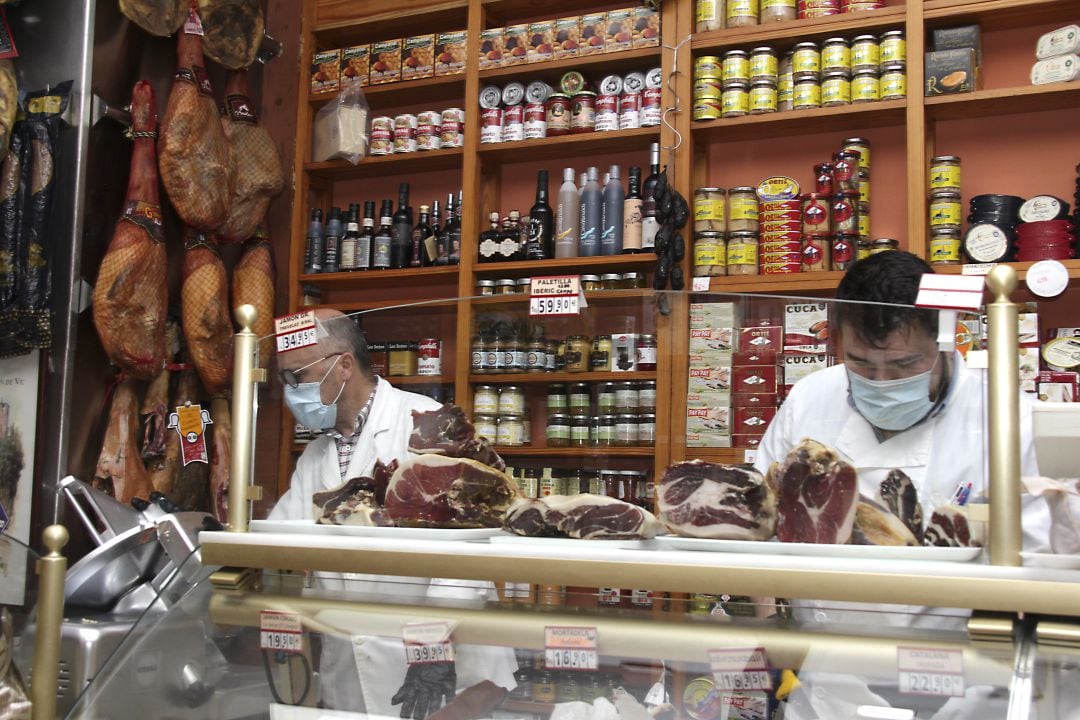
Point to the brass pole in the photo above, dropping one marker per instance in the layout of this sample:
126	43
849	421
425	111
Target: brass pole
50	614
245	374
1003	432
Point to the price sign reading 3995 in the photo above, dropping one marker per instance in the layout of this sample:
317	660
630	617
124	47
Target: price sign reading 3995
570	648
428	642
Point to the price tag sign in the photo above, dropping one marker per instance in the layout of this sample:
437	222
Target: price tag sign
281	631
950	292
699	284
740	669
977	268
295	331
930	671
555	295
428	642
571	648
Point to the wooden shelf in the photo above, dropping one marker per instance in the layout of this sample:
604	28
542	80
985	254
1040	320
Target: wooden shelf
592	66
435	90
526	451
412	380
1073	266
1004	101
570	146
570	266
383	165
776	284
558	377
726	456
846	118
795	31
998	14
337	25
443	275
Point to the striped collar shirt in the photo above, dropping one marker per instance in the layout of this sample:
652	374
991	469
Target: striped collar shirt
347	444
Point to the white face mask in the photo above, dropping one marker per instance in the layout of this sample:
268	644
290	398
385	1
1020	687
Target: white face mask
893	404
305	403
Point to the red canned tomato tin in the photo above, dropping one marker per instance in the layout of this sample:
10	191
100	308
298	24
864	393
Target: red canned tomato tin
535	121
513	123
651	107
491	125
607	112
429	358
776	227
782	268
629	111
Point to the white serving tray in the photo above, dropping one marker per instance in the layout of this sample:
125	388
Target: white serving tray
860	552
310	527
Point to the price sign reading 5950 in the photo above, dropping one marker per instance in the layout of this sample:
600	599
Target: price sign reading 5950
554	305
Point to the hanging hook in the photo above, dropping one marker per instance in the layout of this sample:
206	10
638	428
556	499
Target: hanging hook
677	105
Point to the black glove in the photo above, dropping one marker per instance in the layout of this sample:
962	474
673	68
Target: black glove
427	687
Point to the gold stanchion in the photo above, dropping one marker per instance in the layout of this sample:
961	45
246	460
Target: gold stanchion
1003	433
50	614
246	374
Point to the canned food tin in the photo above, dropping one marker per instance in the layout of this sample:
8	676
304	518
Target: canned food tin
893	82
607	113
806	59
537	91
452	128
741	13
557	110
781	268
785	92
845	215
405	133
865	54
629	111
611	85
583	112
883	245
849	6
764	65
836	56
862	146
651	107
491	125
429	357
762	98
844	249
513	123
707	109
945	211
819	5
945	174
816	213
428	130
572	83
736	101
708	66
513	94
944	246
382	136
429	117
864	87
835	89
535	121
490	97
892	48
654	79
807	94
383	122
736	67
708	88
775	228
634	82
809	13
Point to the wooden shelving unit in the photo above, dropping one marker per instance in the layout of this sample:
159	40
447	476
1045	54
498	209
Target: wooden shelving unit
546	452
397	164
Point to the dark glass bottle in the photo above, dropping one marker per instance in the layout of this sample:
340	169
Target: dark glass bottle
421	238
349	240
365	244
436	219
401	230
313	251
649	223
384	236
334	231
444	237
541	223
632	214
510	247
455	234
489	242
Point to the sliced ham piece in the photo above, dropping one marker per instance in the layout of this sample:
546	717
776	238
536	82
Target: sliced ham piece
253	284
445	492
120	470
949	527
208	328
876	525
708	500
131	293
583	516
358	501
259	176
818	495
157	17
197	166
447	431
899	495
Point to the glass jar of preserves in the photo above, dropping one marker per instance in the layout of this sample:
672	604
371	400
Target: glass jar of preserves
785	86
551	363
742	209
476	356
710	15
806	94
944	174
579	399
583	112
632	281
577	353
536	356
861	146
864	247
836	56
590	283
945	247
626	430
515	355
845	215
529	482
806	61
485	287
543	687
843	251
846	170
600	357
558	431
626	398
710	254
579	431
816	213
511	400
816	251
510	431
646	353
605	398
892	84
883	245
945	211
892	49
605	431
736	67
865	53
611	481
486	400
647	396
742	253
709	206
557	112
735	101
741	13
557	404
764	65
486	427
762	97
777	11
549	484
646	428
835	89
864	86
522	285
568	689
610	281
505	286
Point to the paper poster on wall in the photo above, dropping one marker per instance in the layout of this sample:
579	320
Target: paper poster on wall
18	423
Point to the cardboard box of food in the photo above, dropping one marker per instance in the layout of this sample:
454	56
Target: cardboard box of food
760	338
567	37
492	48
418	57
541	41
355	65
711	339
707	439
707	414
1059	386
646	27
450	53
624	352
798	366
619	30
749	441
750	400
958	38
592	33
385	61
707	315
755	357
806	323
516	44
751	420
326	71
754	379
708	379
951	71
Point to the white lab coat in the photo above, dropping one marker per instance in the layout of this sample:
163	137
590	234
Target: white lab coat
381	668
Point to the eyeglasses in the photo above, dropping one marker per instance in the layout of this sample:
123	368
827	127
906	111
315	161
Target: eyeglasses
291	377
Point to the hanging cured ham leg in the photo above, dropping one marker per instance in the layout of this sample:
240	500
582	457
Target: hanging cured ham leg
131	294
208	329
197	166
259	176
253	284
120	470
220	456
191	488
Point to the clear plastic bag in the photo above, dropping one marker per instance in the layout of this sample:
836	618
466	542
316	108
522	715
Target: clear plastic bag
342	128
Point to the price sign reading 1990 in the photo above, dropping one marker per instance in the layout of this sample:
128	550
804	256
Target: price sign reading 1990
295	331
570	648
740	669
555	295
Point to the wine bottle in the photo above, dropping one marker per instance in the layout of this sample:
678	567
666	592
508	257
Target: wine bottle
349	240
445	237
567	217
649	223
421	234
402	230
510	236
383	237
455	233
313	251
541	222
632	214
592	200
489	241
334	231
365	243
611	219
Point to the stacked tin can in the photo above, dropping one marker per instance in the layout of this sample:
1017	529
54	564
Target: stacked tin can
718	14
708	87
781	249
945	211
427	130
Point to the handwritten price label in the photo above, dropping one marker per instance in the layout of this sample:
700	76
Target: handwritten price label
930	671
280	631
571	648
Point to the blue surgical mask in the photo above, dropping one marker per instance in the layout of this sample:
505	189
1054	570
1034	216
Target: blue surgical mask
892	404
305	403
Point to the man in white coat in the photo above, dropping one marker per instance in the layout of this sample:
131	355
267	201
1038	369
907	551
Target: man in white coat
330	387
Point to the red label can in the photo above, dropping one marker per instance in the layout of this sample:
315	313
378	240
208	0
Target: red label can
535	121
651	106
491	124
513	123
629	111
607	112
429	357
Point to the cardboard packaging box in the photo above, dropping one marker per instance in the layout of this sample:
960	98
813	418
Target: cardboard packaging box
592	33
755	357
1029	368
624	352
385	61
619	30
492	48
418	57
755	400
1059	386
450	53
751	420
754	379
325	71
708	379
707	439
516	44
796	367
355	65
708	421
958	38
567	37
711	339
951	71
541	41
748	441
806	323
646	27
709	315
757	339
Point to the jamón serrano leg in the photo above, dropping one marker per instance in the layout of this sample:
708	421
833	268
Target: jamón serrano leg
253	284
220	456
120	470
208	328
